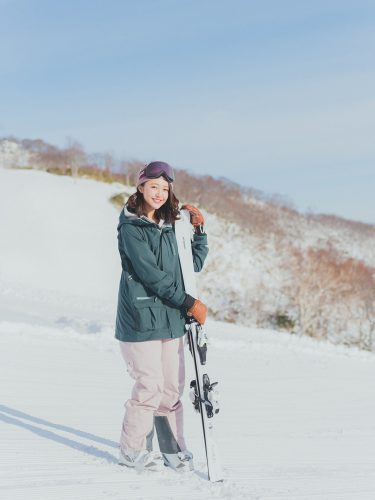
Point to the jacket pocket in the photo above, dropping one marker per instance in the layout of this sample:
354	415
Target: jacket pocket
148	313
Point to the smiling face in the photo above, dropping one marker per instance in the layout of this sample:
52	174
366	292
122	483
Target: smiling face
155	193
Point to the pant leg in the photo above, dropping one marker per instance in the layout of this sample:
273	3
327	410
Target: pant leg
170	407
144	365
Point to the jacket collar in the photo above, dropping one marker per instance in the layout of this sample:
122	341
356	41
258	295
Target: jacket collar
132	217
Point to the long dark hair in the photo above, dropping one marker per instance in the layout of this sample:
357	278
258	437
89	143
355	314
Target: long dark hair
169	211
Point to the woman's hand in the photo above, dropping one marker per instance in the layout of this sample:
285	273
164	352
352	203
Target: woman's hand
198	311
196	217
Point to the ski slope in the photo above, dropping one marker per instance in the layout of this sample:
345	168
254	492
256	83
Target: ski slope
297	416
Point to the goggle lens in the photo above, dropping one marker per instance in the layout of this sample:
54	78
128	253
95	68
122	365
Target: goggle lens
157	168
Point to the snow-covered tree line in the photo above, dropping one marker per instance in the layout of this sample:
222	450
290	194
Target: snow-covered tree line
72	159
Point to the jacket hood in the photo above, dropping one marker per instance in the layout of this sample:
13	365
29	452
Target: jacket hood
127	217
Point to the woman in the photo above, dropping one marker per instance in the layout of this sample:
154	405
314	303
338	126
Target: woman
151	314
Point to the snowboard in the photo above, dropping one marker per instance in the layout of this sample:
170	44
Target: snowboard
203	393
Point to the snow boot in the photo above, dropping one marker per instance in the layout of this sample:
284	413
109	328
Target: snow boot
180	462
141	459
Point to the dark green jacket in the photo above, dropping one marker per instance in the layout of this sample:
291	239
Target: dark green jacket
151	291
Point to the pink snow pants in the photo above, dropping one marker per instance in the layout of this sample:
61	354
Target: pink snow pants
158	368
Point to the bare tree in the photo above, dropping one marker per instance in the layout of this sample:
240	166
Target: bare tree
75	155
131	169
329	292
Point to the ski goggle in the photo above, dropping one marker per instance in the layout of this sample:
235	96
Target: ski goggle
156	169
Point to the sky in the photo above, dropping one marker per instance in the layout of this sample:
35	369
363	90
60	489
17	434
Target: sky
278	96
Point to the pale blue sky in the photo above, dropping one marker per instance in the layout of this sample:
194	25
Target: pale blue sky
277	95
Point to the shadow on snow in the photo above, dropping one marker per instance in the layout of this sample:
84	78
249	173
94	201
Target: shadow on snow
12	416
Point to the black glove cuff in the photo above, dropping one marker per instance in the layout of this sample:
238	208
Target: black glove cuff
199	229
188	302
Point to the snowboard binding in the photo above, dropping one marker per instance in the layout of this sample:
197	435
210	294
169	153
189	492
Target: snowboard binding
210	398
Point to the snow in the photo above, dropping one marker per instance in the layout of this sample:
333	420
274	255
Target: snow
46	240
296	418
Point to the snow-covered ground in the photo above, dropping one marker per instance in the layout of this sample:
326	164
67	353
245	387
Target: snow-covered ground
297	416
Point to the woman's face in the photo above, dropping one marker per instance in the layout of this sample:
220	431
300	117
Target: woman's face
155	192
